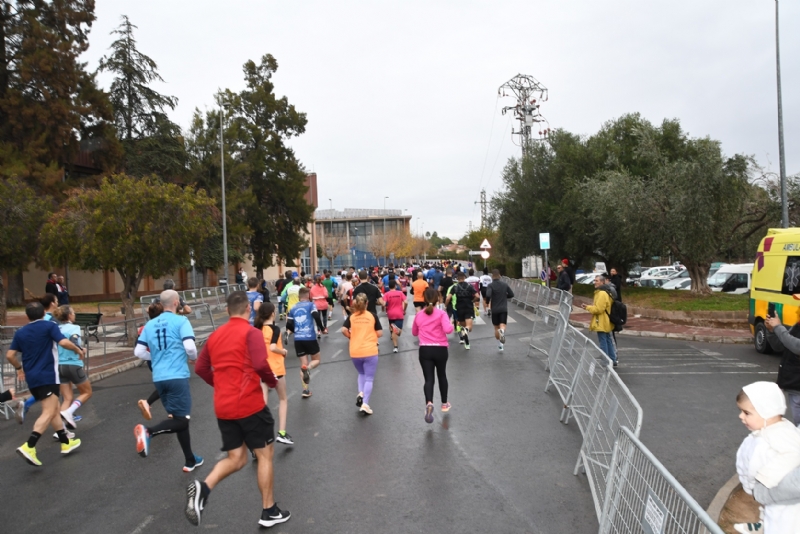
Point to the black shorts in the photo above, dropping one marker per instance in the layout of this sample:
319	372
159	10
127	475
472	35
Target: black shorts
256	431
419	305
465	313
499	318
306	348
42	392
483	292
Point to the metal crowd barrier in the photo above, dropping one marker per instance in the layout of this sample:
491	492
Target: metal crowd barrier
643	496
604	409
8	375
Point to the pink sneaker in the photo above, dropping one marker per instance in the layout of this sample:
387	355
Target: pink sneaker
446	407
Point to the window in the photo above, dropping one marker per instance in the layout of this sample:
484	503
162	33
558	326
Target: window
791	276
338	228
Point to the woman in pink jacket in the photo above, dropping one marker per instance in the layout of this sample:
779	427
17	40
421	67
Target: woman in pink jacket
432	327
319	296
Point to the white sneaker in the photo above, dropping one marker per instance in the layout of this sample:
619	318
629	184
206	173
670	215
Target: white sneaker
366	409
68	420
744	528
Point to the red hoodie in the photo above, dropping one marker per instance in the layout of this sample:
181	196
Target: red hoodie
234	362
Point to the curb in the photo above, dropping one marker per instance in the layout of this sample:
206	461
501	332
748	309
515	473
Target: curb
719	500
728	340
127	366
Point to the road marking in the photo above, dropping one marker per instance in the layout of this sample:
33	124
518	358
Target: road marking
138	530
624	373
338	352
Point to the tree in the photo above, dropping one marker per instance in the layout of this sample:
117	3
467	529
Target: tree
49	104
269	176
153	143
137	227
22	214
334	246
400	243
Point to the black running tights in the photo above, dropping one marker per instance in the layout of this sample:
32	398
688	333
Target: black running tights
434	359
179	426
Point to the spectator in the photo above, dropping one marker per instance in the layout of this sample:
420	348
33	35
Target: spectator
241	277
63	294
51	286
787	343
600	310
616	281
564	283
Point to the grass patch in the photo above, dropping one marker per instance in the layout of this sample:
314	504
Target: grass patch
673	300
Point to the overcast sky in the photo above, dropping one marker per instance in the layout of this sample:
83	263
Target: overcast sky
402	99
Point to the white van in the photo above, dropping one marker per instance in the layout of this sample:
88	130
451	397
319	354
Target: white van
732	278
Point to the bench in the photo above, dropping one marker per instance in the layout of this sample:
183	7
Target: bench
89	322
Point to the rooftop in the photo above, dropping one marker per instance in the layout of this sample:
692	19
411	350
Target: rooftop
349	213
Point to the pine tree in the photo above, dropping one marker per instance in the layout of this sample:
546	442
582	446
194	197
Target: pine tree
152	142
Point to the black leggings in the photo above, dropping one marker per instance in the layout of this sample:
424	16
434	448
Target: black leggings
179	426
431	358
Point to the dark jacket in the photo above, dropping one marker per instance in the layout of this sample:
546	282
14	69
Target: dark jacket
51	287
616	281
788	342
564	283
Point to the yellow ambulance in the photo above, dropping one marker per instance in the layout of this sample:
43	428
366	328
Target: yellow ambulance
775	279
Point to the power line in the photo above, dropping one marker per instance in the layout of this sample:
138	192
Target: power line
529	94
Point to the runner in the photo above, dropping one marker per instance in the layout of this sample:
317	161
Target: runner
50	304
254	296
234	363
485	281
319	296
276	355
168	340
418	290
464	296
374	296
299	321
70	367
331	285
444	287
396	304
154	310
291	295
475	282
450	308
344	294
497	294
37	342
280	284
435	277
403	282
363	328
432	328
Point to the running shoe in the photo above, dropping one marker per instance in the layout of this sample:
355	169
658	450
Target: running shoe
744	528
500	347
195	502
489	312
29	453
359	399
144	406
502	335
286	338
70	435
284	438
77	418
273	516
394	349
306	375
142	440
429	413
20	411
446	407
198	461
68	420
366	409
73	444
306	393
466	346
466	339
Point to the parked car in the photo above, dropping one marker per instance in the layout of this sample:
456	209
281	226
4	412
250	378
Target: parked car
651	282
678	282
659	272
732	278
587	278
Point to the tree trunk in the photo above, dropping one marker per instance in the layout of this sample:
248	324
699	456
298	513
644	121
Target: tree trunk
3	307
15	295
699	275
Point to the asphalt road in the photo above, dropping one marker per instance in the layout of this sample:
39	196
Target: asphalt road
500	461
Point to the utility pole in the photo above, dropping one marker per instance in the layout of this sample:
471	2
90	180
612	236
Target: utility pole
781	155
222	176
529	94
484	217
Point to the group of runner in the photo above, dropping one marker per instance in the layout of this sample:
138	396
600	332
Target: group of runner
244	358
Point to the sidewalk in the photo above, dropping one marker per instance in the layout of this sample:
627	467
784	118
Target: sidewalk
637	326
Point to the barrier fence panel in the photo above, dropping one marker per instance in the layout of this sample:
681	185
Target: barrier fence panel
590	379
532	296
545	324
202	321
614	407
564	364
8	375
643	496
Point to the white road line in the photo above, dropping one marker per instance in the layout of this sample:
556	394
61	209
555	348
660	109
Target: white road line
623	373
149	519
338	352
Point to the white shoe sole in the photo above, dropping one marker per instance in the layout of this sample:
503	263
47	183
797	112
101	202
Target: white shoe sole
272	522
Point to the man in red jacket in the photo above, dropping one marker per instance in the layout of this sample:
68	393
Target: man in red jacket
234	362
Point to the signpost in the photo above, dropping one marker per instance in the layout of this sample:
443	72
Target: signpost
485	252
544	244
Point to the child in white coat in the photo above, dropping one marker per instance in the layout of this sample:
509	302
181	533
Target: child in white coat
768	454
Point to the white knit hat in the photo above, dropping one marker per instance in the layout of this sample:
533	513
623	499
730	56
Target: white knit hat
767	398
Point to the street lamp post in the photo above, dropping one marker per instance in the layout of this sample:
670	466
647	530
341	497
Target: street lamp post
355	244
331	201
784	198
384	231
222	177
